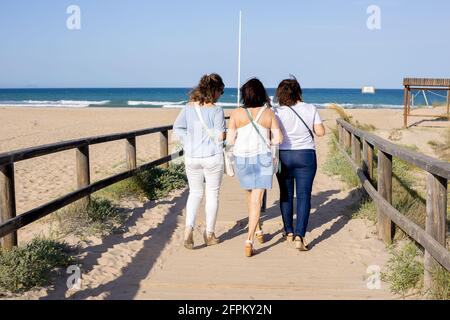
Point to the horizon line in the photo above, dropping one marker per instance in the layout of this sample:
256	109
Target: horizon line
139	87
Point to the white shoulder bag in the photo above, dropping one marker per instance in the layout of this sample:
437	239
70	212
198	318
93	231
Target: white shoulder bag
228	156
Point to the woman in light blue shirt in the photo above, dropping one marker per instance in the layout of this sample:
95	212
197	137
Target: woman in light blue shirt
201	129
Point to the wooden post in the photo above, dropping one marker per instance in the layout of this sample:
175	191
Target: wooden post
130	152
347	139
436	221
7	203
164	146
385	225
405	110
409	101
356	149
341	134
83	171
448	103
368	160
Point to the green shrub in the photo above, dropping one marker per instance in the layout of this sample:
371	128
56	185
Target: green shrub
366	209
101	210
404	270
150	184
337	165
100	217
30	265
441	284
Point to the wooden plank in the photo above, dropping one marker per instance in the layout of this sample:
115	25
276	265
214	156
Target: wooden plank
164	146
83	171
356	149
384	224
339	132
428	115
33	152
436	221
432	165
30	216
7	203
442	82
347	139
368	160
437	251
130	152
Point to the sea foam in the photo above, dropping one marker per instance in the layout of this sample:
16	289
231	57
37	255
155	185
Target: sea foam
54	104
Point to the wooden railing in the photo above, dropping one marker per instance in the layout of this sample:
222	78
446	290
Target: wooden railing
433	239
10	223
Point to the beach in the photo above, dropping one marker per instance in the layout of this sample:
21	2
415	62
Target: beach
45	178
145	260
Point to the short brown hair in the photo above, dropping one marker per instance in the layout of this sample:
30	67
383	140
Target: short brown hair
289	92
207	89
253	94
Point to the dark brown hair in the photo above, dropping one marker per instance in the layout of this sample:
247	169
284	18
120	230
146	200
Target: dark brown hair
253	94
289	92
208	89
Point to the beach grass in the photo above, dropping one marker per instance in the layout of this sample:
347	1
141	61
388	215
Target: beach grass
151	184
442	149
405	268
31	265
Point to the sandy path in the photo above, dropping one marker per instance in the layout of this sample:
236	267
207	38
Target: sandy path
149	261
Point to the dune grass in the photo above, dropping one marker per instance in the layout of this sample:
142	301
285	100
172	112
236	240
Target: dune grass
100	218
405	269
151	184
30	265
442	149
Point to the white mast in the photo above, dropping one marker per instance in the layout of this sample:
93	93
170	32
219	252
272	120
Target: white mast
239	60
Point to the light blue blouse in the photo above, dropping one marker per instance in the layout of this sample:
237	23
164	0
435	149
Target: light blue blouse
189	130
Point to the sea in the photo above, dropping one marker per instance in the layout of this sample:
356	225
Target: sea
177	97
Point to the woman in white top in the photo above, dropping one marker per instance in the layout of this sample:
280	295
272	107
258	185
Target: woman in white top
299	122
201	128
253	129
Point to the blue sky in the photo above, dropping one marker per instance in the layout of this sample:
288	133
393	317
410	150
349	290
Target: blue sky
170	43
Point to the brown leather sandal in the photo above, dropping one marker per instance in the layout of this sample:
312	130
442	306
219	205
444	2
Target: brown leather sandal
300	244
248	248
259	235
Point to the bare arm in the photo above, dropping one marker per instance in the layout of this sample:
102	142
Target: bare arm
319	129
231	133
276	135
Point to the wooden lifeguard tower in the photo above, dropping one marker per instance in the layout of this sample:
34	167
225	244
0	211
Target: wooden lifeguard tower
424	84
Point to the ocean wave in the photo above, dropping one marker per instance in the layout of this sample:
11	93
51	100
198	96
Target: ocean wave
360	105
155	103
54	104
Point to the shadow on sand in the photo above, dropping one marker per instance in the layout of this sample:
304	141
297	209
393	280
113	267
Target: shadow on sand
126	285
327	210
142	262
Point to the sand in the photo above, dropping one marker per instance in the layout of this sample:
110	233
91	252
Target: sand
148	261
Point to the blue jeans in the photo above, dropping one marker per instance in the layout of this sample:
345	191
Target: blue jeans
299	166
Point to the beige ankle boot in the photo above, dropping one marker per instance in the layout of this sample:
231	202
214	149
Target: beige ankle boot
210	238
189	238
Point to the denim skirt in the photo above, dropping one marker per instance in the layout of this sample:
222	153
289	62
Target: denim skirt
255	172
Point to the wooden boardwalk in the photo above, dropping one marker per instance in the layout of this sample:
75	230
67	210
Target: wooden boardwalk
148	261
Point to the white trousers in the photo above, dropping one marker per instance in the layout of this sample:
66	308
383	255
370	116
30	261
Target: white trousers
203	173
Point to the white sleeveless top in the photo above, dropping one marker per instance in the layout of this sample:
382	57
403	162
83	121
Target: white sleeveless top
248	141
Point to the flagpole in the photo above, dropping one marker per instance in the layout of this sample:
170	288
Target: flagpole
239	60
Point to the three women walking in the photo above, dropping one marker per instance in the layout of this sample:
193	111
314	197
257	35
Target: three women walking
265	140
